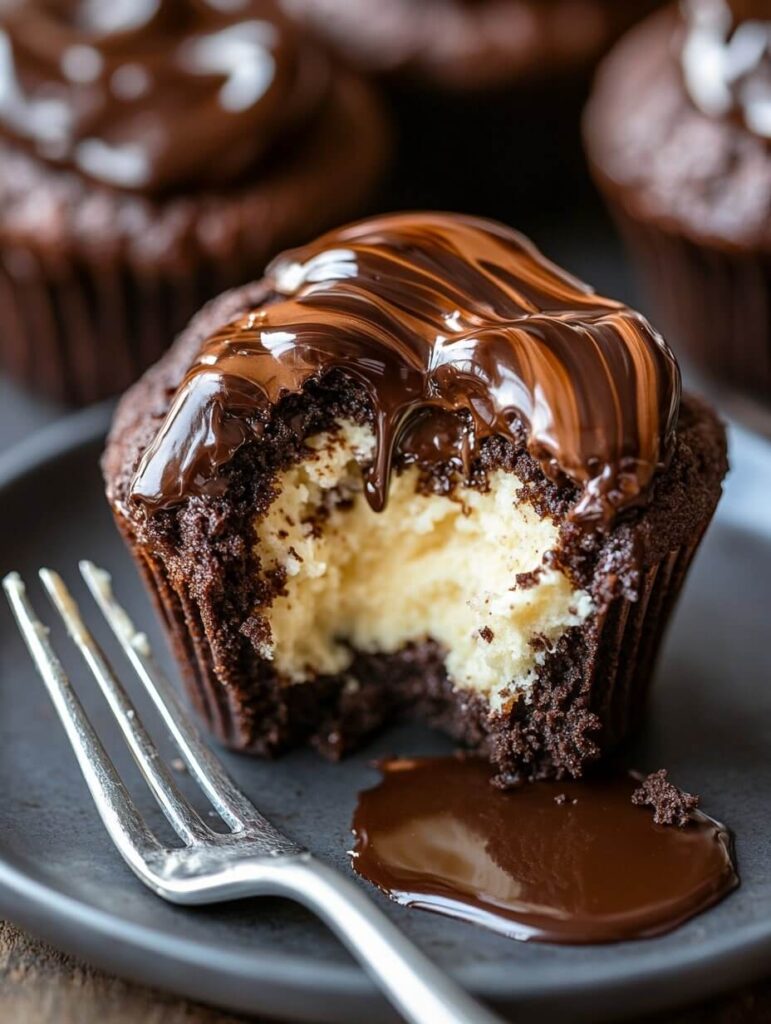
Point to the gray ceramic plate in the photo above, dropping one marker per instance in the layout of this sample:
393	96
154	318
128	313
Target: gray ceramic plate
59	876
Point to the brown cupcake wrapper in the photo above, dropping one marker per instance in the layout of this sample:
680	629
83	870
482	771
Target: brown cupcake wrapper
629	638
616	658
713	305
84	331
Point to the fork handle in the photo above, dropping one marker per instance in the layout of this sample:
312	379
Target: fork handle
421	992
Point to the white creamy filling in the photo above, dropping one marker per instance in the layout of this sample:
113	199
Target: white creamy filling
428	566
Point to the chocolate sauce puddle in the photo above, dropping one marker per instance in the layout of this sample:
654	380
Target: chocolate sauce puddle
563	862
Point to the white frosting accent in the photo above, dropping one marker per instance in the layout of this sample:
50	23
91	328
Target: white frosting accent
427	566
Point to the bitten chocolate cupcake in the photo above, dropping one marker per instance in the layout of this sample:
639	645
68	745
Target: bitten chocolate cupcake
417	469
473	84
152	154
678	132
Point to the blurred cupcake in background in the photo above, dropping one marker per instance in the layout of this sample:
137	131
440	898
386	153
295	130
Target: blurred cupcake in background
487	93
678	133
152	153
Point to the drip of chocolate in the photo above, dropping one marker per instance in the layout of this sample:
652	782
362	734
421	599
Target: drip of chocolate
438	317
151	95
564	862
726	59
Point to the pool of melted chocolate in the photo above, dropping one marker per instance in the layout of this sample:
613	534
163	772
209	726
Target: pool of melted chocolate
566	862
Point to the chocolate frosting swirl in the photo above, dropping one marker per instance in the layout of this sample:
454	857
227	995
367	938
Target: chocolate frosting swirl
458	329
726	60
153	95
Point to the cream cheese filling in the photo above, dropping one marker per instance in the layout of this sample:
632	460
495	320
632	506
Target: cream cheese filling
427	567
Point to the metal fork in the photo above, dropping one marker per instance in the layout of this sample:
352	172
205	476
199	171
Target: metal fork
253	858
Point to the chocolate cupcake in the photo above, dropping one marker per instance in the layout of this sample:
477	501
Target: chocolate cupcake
417	469
152	154
462	44
487	93
678	133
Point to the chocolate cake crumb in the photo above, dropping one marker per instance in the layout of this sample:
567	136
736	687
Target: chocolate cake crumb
256	630
487	634
671	805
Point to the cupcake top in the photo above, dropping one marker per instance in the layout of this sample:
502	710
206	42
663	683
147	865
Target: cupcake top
152	96
457	329
468	43
726	58
680	121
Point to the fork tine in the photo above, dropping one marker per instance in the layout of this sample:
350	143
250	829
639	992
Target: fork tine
182	817
231	804
113	802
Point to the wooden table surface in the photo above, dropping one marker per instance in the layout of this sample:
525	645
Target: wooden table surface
40	986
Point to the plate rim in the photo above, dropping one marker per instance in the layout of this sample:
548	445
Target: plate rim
144	954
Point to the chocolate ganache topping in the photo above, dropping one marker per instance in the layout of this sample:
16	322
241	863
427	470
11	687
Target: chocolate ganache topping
152	95
434	315
726	60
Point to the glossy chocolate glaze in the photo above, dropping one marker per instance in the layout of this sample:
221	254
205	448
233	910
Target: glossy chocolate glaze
152	95
566	862
726	57
457	329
